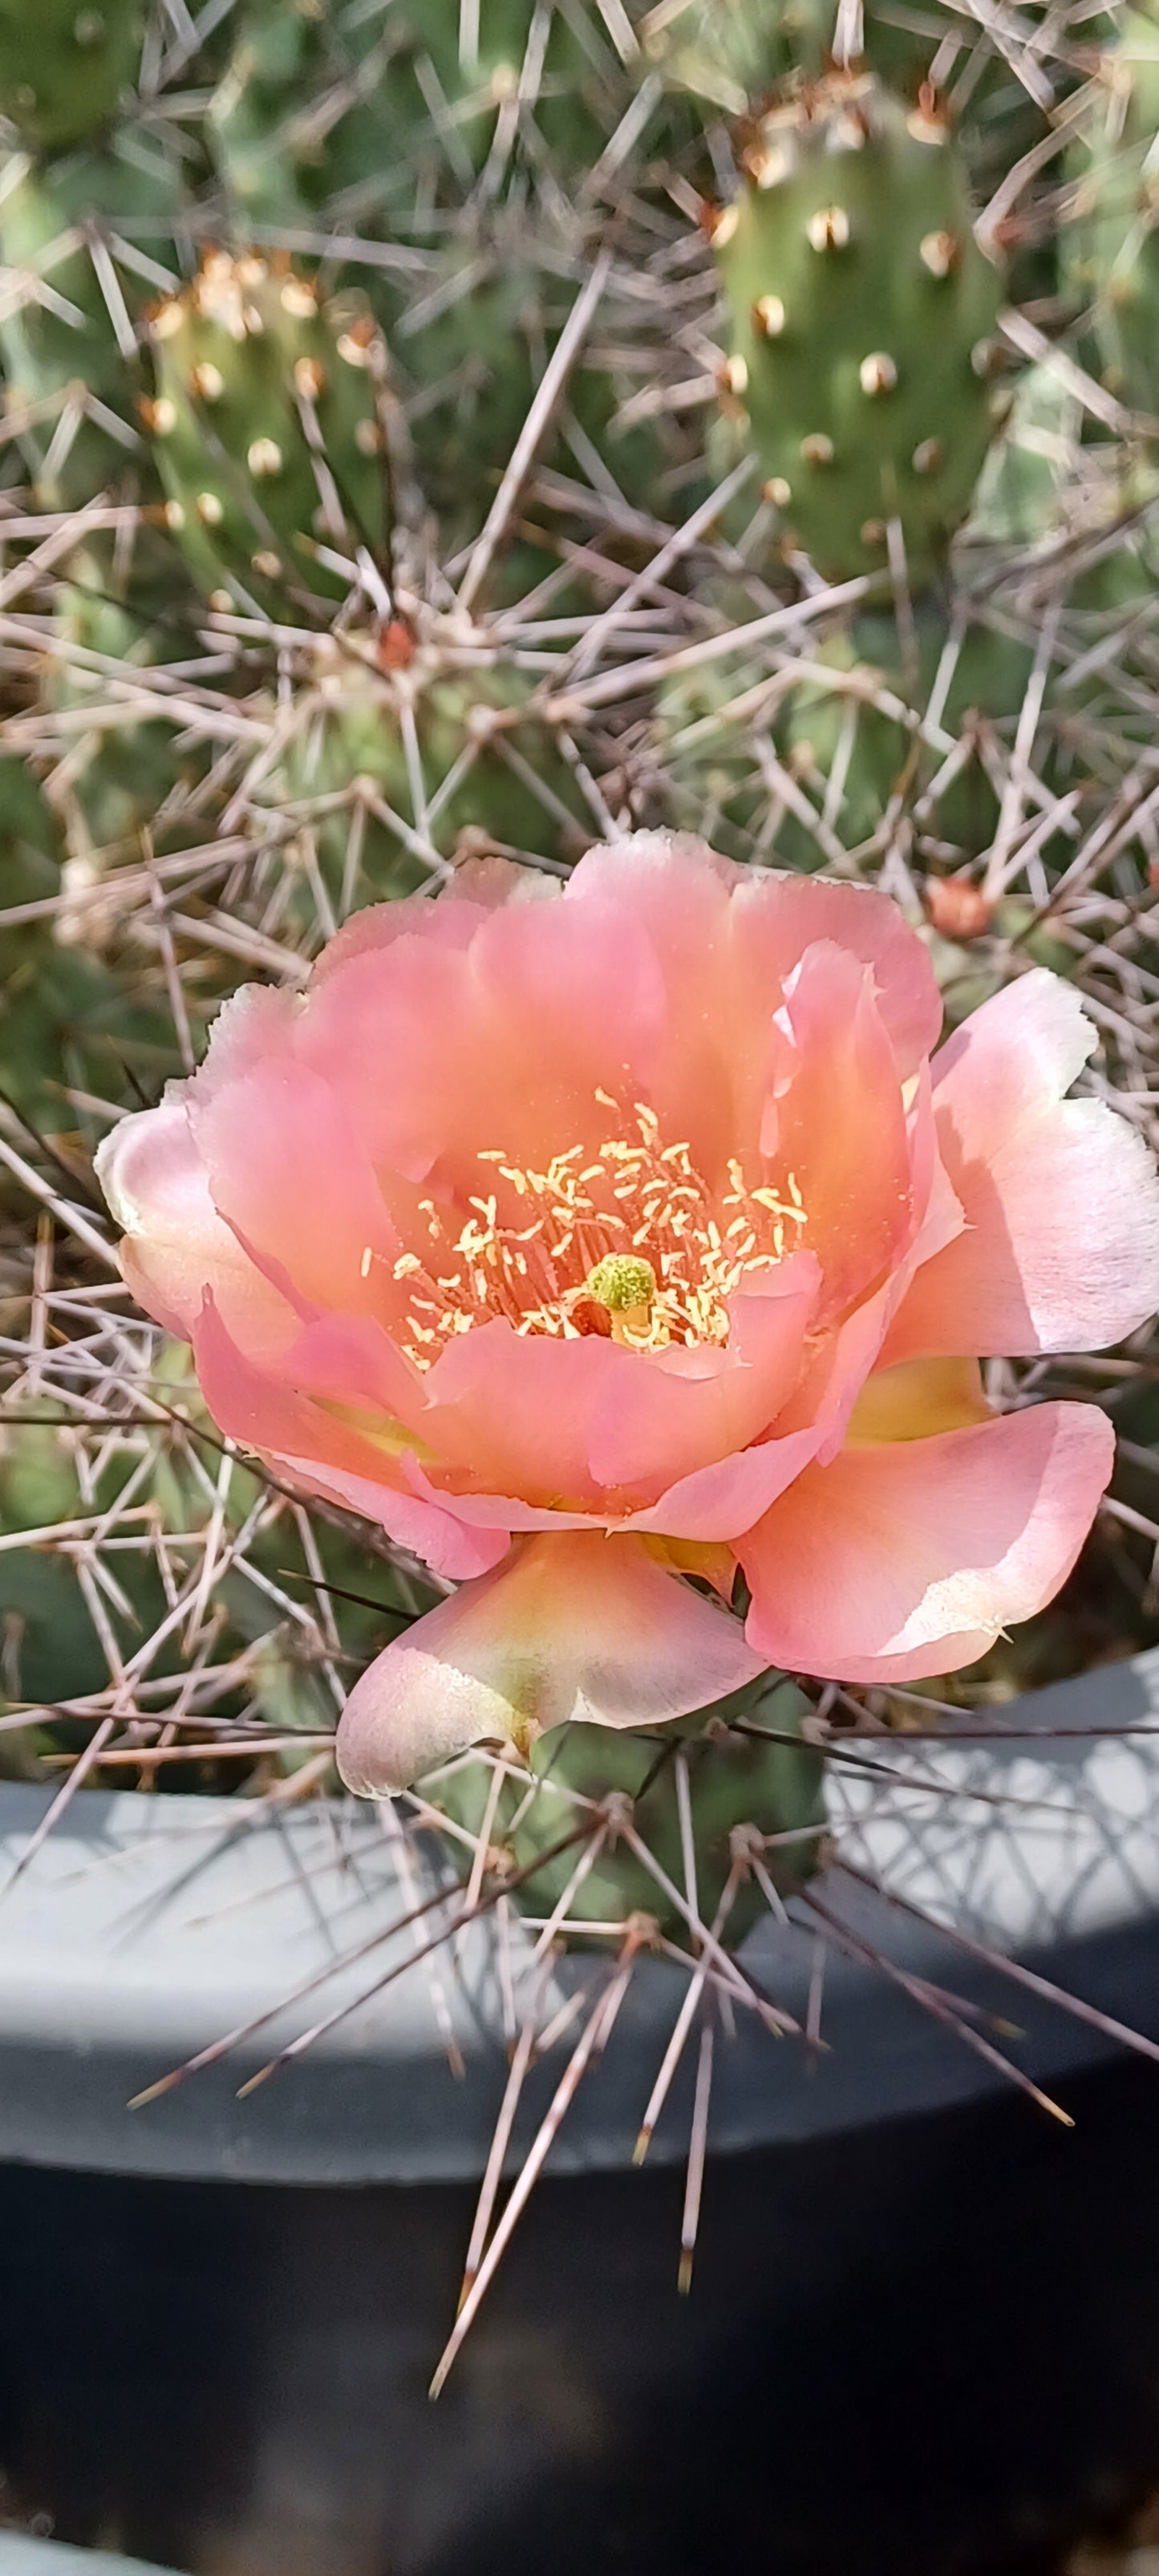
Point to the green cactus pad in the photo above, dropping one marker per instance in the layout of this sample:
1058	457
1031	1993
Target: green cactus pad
64	64
267	427
490	767
861	321
766	1783
1112	249
70	384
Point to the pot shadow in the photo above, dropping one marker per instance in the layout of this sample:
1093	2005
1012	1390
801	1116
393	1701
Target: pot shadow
929	2349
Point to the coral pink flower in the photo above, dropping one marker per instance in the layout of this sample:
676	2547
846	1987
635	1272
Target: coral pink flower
592	1237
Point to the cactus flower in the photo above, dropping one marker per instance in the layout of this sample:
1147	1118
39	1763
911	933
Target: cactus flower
596	1237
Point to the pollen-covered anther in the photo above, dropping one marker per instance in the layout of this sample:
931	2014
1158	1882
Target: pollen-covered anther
828	229
768	317
625	1283
878	373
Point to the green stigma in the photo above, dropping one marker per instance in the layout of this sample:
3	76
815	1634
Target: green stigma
623	1282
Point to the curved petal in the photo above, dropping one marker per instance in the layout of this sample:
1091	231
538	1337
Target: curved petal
323	1454
721	1502
176	1245
775	918
290	1176
1060	1249
671	1412
506	1036
835	1123
591	1426
910	1558
570	1627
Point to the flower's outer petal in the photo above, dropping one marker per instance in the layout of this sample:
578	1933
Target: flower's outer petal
289	1174
577	1626
910	1558
175	1243
1060	1249
776	918
324	1454
836	1123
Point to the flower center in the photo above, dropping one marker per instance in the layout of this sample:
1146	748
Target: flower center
633	1243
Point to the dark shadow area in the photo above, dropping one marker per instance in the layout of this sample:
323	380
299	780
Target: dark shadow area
927	2350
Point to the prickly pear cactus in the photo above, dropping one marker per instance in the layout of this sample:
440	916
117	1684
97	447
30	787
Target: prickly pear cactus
390	755
64	64
1112	252
861	318
124	778
727	54
755	1793
67	228
805	774
267	425
303	112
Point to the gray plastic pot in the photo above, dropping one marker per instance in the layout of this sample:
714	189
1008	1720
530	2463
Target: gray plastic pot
924	2330
146	1928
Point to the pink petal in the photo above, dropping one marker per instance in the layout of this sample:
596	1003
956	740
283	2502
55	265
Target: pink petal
836	1124
175	1242
477	887
290	1176
1061	1243
589	1426
324	1454
666	1414
776	918
570	1627
721	1502
910	1559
